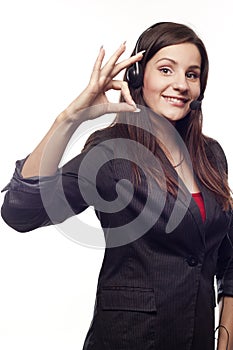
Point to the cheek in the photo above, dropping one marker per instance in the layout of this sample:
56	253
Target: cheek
150	80
151	86
196	91
150	94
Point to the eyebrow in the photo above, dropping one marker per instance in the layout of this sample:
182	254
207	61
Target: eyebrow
194	66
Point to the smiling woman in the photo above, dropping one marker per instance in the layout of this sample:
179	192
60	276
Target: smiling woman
172	80
159	188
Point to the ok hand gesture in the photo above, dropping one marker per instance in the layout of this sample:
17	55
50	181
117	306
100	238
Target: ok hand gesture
102	80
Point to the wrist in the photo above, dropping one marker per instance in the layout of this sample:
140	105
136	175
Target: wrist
69	118
223	338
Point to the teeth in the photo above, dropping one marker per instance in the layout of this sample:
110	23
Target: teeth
173	99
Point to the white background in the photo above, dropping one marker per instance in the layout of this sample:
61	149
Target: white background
48	282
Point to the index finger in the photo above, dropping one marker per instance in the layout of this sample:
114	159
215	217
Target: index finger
111	63
127	63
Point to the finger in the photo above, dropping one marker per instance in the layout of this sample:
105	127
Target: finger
109	66
127	63
114	108
97	66
121	107
105	108
123	86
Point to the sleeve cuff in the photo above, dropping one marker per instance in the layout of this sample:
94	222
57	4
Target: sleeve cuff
31	184
225	288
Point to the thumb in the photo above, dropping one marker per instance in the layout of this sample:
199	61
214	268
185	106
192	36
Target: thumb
96	111
122	107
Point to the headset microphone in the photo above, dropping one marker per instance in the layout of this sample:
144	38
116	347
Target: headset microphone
195	105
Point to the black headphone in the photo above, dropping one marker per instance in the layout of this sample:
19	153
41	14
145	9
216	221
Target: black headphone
134	74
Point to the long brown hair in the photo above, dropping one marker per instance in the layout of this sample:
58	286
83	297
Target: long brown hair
205	165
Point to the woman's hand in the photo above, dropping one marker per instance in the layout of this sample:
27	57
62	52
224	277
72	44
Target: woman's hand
91	103
102	80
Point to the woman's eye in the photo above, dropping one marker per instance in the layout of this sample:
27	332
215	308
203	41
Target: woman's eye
165	70
192	75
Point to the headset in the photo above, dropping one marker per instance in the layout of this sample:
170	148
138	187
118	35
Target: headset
134	74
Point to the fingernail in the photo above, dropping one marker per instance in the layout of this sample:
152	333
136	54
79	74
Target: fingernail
133	104
141	52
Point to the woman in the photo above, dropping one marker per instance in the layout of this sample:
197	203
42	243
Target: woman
155	289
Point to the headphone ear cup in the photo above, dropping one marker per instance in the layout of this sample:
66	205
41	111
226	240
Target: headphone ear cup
134	76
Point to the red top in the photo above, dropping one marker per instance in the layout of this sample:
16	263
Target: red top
200	202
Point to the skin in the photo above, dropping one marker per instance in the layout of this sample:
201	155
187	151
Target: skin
172	80
226	321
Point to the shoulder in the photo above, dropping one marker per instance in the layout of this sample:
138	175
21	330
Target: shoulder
111	132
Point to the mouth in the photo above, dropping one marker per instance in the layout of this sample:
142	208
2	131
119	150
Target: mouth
176	100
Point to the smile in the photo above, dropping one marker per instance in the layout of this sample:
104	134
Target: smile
178	101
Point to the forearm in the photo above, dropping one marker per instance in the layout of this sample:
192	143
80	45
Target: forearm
225	333
45	158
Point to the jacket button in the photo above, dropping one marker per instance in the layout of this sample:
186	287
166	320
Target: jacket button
192	261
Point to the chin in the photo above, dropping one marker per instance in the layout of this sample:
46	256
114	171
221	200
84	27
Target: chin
171	115
174	116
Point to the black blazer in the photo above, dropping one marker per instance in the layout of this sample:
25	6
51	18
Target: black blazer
155	289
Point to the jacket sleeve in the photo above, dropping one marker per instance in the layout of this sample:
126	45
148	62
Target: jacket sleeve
224	272
40	201
34	202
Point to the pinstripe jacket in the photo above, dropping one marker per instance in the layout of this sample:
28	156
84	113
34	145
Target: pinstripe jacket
156	286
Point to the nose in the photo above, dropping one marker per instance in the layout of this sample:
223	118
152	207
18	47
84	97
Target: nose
180	82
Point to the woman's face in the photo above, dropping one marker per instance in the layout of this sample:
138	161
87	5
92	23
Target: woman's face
172	80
